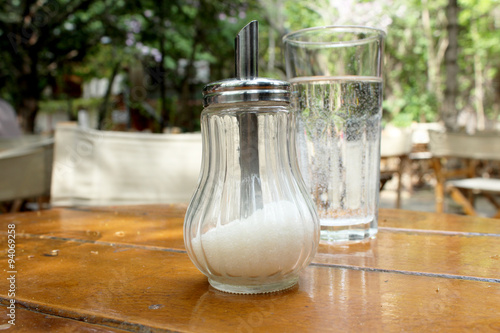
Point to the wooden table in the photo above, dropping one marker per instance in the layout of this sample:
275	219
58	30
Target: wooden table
124	269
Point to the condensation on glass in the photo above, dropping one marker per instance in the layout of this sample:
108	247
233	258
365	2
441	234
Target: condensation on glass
336	77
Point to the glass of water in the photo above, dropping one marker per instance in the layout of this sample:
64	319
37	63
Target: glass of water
336	77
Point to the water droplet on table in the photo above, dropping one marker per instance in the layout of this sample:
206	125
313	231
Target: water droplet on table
53	253
93	233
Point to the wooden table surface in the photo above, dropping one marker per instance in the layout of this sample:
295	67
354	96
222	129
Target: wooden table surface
125	269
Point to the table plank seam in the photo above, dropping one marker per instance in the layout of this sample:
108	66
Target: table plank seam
396	271
96	242
440	232
116	209
105	321
125	269
172	250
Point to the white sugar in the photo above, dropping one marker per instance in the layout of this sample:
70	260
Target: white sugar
269	241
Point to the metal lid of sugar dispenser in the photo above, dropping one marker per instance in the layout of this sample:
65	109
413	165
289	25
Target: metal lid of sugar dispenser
247	86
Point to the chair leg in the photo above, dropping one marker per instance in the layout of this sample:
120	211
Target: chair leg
402	161
462	201
492	199
495	203
16	206
384	178
39	202
439	198
439	190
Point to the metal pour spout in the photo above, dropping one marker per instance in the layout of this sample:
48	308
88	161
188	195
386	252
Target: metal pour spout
246	62
247	52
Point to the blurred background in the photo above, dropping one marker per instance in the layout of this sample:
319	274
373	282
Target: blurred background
140	66
59	57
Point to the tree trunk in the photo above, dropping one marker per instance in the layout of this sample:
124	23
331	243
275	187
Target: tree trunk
165	115
28	105
28	110
271	51
28	85
186	108
449	112
434	80
105	102
479	92
478	81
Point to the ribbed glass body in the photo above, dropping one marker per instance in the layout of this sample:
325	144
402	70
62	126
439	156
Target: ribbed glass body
250	226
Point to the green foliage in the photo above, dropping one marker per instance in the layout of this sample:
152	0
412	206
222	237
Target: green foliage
299	16
420	106
39	39
86	37
479	42
54	106
408	89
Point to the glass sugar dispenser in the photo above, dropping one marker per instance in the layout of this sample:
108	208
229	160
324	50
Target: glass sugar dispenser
250	226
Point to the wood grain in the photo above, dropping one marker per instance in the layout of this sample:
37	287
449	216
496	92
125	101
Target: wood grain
448	250
29	321
137	288
153	226
446	223
459	256
108	269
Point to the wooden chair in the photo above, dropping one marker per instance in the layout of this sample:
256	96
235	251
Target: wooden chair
462	182
395	148
94	168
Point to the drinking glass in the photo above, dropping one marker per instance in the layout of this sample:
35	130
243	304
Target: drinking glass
336	78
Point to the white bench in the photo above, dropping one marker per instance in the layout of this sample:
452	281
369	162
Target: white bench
94	168
25	170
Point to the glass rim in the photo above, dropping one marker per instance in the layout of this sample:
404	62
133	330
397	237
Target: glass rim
375	34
